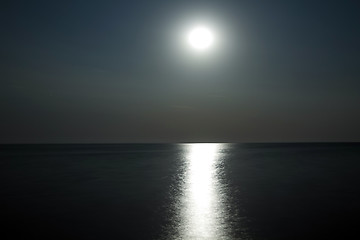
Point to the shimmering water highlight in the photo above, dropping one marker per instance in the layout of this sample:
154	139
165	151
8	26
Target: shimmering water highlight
202	212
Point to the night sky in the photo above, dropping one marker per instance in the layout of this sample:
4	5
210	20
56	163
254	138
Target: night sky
118	71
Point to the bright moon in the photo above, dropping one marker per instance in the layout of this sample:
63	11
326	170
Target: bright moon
200	38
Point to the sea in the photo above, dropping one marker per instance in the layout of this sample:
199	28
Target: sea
254	191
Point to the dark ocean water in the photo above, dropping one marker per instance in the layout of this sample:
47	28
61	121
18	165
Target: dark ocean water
180	191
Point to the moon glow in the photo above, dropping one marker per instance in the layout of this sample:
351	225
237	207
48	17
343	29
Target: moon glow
200	38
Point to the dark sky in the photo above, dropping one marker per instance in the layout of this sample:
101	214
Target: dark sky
117	71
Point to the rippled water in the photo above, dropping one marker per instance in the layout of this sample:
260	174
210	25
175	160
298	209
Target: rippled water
180	191
201	198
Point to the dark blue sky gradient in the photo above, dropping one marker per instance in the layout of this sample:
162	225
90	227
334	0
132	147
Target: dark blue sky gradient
114	71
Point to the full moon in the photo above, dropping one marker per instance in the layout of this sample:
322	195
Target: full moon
200	38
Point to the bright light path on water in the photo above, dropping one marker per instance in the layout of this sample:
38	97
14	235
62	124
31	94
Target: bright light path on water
202	210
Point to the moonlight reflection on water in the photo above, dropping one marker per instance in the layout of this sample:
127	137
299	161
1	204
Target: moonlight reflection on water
202	204
202	213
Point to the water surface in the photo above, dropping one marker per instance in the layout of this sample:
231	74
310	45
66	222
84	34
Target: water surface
180	191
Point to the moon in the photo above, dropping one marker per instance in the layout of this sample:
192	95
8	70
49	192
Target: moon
200	38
